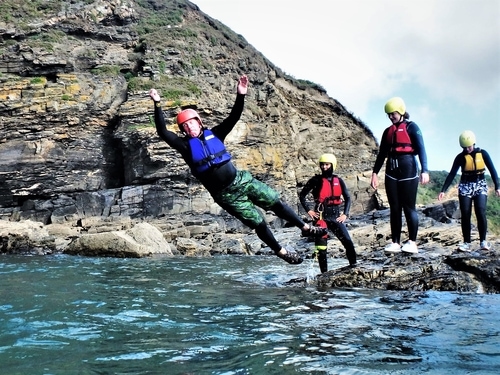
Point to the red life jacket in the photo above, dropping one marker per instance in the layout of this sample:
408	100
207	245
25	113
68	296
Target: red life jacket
330	191
398	137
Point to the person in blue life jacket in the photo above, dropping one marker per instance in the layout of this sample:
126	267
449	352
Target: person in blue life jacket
472	187
328	191
236	191
401	143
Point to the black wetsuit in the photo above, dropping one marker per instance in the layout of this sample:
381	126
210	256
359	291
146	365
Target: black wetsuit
217	178
472	188
329	213
401	180
235	191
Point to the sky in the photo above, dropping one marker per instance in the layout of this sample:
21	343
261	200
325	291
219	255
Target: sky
441	56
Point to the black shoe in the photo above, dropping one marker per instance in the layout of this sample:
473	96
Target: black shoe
291	257
314	231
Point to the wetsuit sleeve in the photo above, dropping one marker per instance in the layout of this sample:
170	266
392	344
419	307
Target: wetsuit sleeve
172	139
457	163
382	152
310	185
417	142
489	164
346	196
222	130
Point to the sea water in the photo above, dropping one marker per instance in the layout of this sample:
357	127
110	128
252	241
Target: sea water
230	316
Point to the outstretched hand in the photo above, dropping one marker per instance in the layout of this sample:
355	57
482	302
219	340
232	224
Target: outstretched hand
154	95
242	85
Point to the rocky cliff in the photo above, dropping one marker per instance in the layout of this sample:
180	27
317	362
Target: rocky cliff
77	138
82	170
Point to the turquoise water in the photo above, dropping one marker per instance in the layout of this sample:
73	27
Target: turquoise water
228	316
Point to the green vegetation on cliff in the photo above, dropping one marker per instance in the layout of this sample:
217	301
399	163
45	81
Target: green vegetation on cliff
12	10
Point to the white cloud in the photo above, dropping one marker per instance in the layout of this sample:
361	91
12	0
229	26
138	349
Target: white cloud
441	56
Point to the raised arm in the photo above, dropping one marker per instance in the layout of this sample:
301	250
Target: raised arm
228	124
171	138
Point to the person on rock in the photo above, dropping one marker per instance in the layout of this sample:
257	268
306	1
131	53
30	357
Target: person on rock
401	142
236	191
472	187
328	191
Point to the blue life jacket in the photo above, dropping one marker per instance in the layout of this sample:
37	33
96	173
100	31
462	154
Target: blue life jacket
206	152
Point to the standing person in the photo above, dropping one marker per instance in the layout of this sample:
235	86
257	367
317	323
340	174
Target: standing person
236	191
472	187
328	190
400	143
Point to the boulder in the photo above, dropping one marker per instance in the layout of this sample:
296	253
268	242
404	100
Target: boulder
142	240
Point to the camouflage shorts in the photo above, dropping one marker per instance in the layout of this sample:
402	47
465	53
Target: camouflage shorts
473	189
243	195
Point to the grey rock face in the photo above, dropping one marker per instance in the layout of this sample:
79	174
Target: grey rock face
78	140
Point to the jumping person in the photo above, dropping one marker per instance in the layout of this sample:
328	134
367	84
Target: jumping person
472	187
236	191
400	143
328	190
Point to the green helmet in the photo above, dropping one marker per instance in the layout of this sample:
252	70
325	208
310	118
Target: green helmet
467	138
395	104
328	158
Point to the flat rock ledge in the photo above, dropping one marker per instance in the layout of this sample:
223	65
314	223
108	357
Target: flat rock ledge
438	265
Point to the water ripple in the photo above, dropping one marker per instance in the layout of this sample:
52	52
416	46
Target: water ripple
230	315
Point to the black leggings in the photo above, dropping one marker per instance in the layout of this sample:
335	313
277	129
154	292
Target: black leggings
340	231
283	212
402	197
480	211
